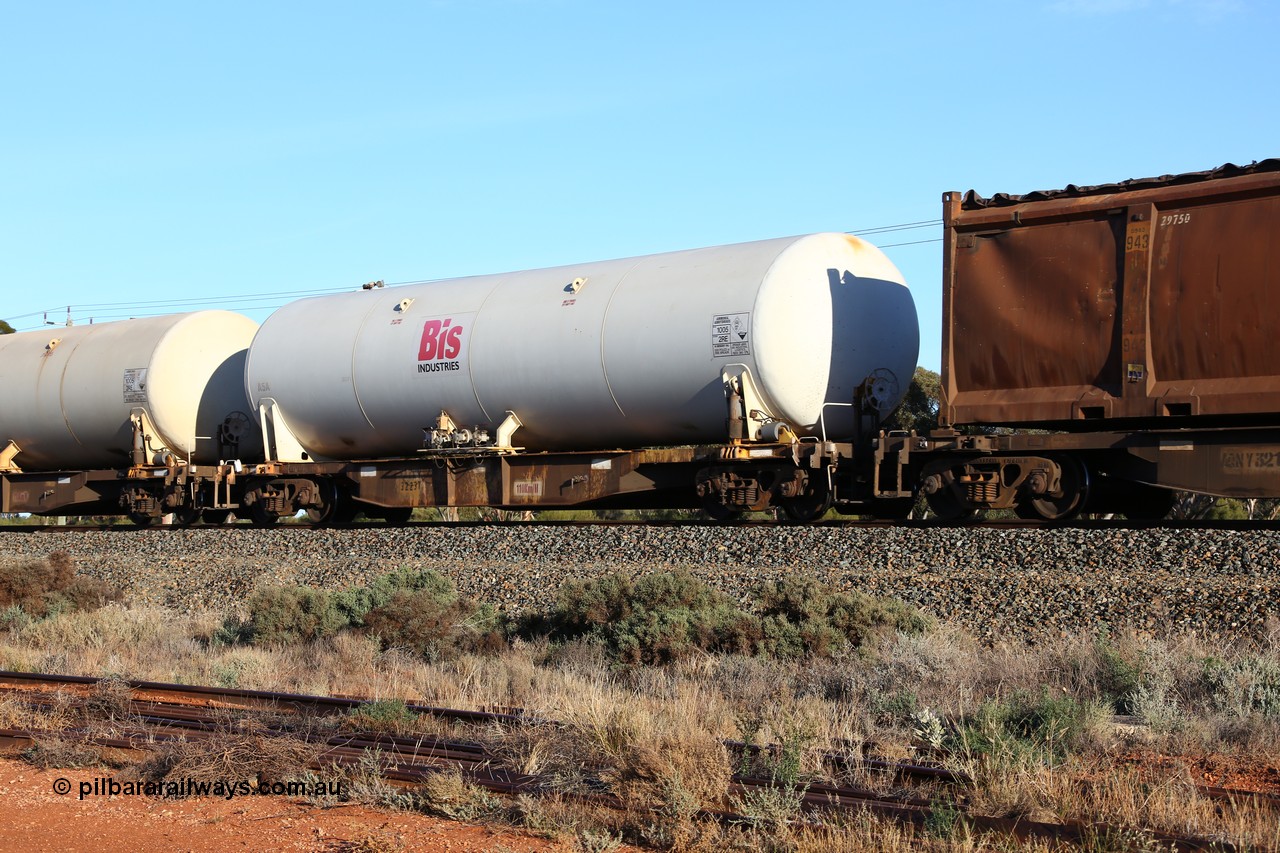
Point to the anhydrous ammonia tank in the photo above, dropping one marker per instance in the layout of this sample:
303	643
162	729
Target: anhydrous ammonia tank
70	394
623	353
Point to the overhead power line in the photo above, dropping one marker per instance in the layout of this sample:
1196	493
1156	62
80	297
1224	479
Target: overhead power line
906	226
911	243
274	299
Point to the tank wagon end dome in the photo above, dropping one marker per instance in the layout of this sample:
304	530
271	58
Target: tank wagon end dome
833	310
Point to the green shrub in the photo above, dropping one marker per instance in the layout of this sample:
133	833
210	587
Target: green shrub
382	715
656	619
434	625
1247	685
413	609
1120	679
355	602
1044	725
665	616
803	617
586	604
289	614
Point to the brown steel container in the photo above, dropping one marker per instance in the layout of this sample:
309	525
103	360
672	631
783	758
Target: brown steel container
1150	299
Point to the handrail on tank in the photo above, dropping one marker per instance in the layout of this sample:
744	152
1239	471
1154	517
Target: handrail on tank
822	417
822	423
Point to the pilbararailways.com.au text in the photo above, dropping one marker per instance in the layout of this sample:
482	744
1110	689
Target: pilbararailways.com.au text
105	786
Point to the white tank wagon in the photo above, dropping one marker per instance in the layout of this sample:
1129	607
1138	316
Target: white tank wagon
614	354
134	392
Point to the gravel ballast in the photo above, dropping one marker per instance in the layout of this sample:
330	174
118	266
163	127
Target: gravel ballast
998	584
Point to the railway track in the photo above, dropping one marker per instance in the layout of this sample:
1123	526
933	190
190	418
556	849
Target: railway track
855	524
159	713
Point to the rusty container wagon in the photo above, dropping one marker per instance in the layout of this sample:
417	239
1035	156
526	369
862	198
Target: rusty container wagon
1103	345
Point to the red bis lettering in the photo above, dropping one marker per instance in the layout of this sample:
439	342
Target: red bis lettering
439	340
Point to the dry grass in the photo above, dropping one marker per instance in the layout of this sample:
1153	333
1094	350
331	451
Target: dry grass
447	794
1033	725
242	750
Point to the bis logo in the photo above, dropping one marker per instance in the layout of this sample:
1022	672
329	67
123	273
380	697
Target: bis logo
443	341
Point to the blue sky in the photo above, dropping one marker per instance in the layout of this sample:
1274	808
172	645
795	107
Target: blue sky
157	154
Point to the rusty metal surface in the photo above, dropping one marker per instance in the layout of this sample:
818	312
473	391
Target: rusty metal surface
1146	300
54	491
973	201
1241	462
515	481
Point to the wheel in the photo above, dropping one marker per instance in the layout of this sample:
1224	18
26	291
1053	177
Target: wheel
1073	492
344	511
261	516
812	505
217	516
186	516
319	516
142	519
947	507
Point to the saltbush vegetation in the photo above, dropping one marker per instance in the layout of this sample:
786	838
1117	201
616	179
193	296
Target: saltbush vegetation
36	589
657	618
663	617
419	611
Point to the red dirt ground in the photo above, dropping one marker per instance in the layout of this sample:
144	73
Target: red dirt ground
38	820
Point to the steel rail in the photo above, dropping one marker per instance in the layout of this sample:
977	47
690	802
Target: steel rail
858	524
250	699
410	760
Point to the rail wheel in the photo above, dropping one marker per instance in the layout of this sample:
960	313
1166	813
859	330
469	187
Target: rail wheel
812	505
142	519
717	511
1072	494
318	516
344	511
946	506
261	516
216	516
186	516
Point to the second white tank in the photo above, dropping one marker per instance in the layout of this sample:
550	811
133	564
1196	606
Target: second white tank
622	353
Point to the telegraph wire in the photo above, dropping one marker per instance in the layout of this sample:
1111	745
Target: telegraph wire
275	299
912	243
906	226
